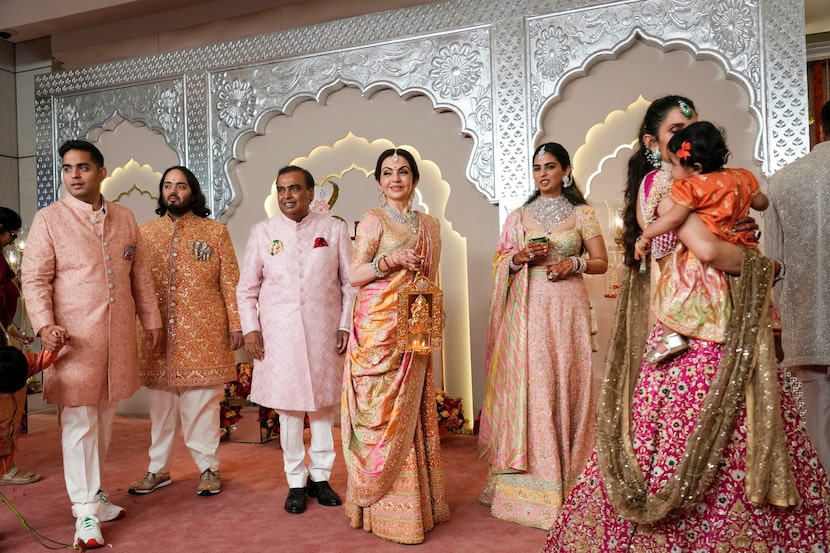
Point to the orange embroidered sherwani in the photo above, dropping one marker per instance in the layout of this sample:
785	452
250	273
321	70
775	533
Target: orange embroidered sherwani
195	272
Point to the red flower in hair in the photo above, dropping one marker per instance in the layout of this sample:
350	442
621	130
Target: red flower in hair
685	150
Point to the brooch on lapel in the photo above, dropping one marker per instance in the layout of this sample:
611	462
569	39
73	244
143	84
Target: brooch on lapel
129	252
201	251
320	242
275	248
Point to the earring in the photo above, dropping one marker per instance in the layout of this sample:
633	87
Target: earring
411	196
381	198
653	156
566	181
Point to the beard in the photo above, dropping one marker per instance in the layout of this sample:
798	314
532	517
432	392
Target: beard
179	208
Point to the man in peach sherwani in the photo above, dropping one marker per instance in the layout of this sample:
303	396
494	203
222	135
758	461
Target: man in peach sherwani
85	270
195	273
296	271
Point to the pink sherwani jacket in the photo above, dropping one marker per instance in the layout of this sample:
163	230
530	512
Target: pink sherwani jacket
85	270
297	274
195	273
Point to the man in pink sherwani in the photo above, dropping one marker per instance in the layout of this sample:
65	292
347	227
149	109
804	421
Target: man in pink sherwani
296	273
85	270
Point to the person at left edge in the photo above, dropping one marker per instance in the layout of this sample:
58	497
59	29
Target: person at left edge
296	270
195	273
85	269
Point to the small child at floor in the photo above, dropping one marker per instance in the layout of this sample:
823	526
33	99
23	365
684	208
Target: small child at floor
693	300
15	369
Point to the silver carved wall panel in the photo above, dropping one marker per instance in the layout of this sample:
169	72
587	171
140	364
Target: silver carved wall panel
497	65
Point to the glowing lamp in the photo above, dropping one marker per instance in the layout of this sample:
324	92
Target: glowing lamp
420	316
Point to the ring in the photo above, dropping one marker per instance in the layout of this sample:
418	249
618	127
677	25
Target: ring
757	234
550	276
531	255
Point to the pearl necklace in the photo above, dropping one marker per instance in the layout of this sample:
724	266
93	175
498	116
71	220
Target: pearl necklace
551	212
409	219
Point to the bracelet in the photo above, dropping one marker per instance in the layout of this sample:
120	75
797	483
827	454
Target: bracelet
578	264
782	271
513	267
376	269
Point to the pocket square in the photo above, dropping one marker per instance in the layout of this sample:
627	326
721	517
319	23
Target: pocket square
320	242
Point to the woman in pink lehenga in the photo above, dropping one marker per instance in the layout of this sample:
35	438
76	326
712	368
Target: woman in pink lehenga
707	454
389	421
537	418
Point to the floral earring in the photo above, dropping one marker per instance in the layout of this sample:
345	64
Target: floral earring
566	181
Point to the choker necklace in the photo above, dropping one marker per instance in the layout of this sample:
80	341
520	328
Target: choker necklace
551	212
409	219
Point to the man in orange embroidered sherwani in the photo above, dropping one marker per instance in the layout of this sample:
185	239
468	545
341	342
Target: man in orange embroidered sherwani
195	274
85	270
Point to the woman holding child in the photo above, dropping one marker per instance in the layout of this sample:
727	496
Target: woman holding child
701	451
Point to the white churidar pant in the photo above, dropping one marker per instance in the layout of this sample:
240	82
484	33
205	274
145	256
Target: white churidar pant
85	440
320	452
196	410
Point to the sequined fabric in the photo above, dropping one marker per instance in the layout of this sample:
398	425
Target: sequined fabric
754	470
797	231
389	423
538	410
195	273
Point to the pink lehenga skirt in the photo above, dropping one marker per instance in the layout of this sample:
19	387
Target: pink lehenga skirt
667	400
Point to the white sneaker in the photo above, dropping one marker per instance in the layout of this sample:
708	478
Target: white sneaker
108	511
88	532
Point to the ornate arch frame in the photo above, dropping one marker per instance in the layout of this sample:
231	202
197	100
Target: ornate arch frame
497	65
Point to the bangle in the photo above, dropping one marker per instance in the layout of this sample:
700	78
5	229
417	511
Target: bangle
376	269
782	271
513	267
578	264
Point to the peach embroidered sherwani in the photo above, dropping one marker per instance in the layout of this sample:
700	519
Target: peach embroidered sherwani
194	270
86	270
298	274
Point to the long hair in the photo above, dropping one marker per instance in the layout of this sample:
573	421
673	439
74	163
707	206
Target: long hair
572	193
198	202
702	144
639	166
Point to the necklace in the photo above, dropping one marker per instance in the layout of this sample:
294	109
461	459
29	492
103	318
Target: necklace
550	212
409	219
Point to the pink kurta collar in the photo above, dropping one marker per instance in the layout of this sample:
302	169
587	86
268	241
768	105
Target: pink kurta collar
80	205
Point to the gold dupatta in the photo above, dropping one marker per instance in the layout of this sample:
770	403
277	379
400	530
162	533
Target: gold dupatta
747	373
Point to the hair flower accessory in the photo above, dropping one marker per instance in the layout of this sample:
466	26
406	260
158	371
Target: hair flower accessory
685	109
685	151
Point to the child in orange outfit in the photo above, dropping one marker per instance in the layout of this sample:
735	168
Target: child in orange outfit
15	368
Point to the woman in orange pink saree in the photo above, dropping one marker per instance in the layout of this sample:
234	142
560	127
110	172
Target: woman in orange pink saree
389	421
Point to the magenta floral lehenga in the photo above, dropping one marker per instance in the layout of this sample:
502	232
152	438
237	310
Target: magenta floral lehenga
708	454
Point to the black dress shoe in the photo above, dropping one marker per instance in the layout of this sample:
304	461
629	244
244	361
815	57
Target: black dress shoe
323	492
295	502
